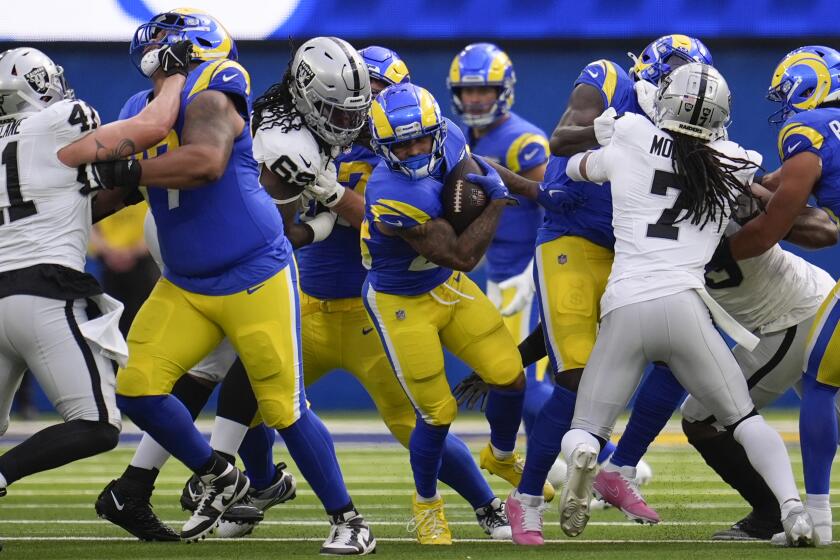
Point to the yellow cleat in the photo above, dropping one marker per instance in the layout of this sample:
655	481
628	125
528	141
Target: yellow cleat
509	469
429	522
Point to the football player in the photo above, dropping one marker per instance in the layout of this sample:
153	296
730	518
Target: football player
807	85
51	309
481	80
215	285
662	244
420	300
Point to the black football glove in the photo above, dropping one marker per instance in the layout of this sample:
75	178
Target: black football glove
175	58
123	173
472	391
722	258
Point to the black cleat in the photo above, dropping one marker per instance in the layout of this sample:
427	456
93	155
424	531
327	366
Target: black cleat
133	511
750	528
349	536
191	494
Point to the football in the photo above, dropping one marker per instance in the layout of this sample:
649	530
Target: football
462	201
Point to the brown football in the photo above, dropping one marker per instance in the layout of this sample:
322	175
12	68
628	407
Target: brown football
462	201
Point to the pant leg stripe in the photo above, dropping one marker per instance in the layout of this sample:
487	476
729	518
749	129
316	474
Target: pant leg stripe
545	312
777	357
294	320
823	338
90	362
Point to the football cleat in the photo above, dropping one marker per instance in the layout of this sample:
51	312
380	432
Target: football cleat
493	519
429	522
822	524
574	500
798	530
557	474
191	493
750	528
526	518
644	474
619	489
133	513
221	491
349	535
509	469
281	490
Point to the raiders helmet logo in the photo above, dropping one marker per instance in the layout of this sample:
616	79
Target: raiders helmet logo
37	79
304	75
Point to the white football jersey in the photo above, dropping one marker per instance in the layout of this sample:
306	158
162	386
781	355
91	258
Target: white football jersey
295	155
770	292
656	254
45	218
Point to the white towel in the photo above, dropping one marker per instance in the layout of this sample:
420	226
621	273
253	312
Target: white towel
104	332
729	325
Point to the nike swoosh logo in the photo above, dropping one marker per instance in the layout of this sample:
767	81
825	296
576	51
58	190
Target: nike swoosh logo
304	161
367	330
117	502
793	147
592	73
254	289
530	155
228	77
612	491
551	192
396	223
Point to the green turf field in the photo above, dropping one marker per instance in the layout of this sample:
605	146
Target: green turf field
51	515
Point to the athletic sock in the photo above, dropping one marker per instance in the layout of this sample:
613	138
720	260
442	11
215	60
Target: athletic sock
729	460
425	453
817	433
257	454
537	394
149	455
658	397
576	437
606	451
311	447
504	414
57	445
459	471
544	440
818	501
227	435
767	453
168	421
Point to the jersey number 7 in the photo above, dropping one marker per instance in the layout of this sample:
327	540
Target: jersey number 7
664	227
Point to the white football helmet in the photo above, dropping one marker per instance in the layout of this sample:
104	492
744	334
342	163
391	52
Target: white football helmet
331	89
694	100
30	81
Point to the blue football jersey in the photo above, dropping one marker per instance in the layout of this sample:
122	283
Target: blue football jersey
227	235
333	267
817	131
519	146
593	219
395	200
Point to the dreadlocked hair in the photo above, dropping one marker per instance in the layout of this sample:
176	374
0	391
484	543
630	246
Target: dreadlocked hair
276	107
709	187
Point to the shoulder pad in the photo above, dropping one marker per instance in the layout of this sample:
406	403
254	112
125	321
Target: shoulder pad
68	120
799	134
222	75
527	151
603	75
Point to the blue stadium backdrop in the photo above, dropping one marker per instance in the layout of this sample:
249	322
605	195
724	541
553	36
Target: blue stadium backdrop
548	41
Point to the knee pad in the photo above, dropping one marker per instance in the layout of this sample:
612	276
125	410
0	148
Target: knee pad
101	436
278	413
732	427
400	424
443	414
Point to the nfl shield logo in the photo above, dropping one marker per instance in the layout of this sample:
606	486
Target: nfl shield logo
562	259
400	314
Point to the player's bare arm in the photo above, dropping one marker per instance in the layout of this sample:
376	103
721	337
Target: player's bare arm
798	176
575	133
211	125
523	185
437	241
812	229
298	234
121	139
351	207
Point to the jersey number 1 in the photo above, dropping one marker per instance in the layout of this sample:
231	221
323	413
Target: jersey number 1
18	208
664	227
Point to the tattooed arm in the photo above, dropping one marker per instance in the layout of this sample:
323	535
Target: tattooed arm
437	241
211	125
121	139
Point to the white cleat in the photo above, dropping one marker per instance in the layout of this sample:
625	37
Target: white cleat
799	530
644	474
577	493
557	474
822	524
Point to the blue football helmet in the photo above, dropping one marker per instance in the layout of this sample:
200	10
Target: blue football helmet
804	79
385	65
210	39
405	112
482	64
659	57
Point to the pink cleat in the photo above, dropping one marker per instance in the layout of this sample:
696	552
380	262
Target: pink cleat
619	489
525	514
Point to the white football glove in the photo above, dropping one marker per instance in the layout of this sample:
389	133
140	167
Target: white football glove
321	224
605	126
523	283
645	95
494	294
326	188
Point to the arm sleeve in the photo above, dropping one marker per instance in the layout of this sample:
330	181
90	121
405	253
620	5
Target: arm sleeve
596	170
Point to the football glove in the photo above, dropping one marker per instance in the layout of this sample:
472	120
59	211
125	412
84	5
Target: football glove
321	223
560	198
645	95
471	392
722	258
523	283
123	173
170	59
490	182
604	126
326	188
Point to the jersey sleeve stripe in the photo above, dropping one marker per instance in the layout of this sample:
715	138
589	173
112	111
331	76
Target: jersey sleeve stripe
512	156
388	206
203	80
610	80
811	134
